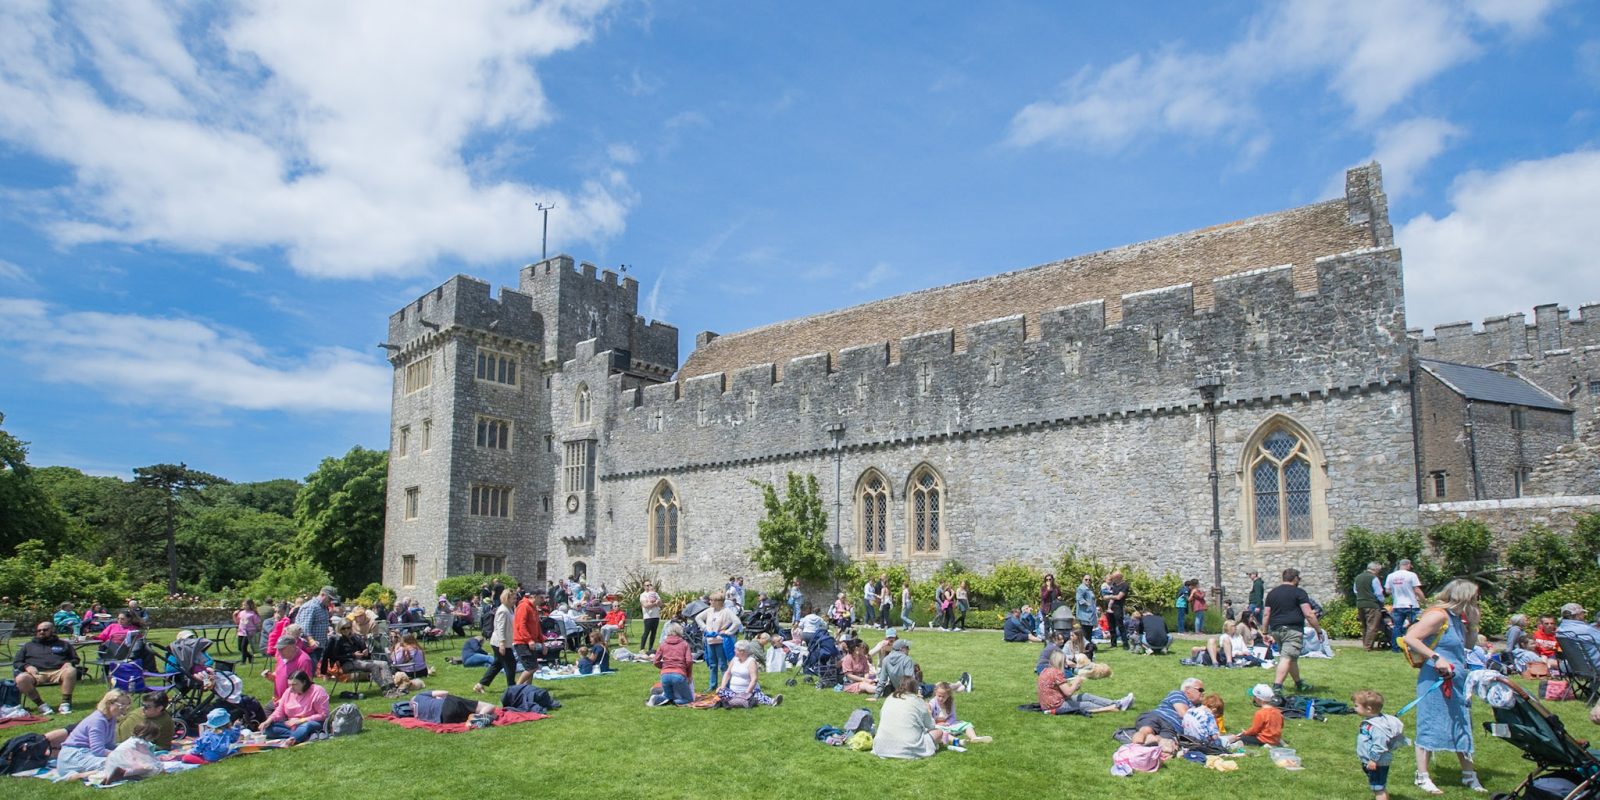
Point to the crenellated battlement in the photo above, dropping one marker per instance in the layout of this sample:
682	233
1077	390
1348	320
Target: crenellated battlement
1510	337
586	302
1265	338
464	302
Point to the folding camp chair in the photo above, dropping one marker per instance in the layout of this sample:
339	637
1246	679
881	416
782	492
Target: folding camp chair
1582	674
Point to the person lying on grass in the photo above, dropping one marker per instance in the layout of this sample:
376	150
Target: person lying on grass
1059	694
1162	724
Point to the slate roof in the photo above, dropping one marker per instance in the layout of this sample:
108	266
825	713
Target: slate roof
1491	386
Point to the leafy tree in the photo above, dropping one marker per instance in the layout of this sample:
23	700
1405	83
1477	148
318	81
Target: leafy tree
26	511
175	483
229	544
1466	550
274	497
790	536
1360	547
299	576
34	575
340	515
93	508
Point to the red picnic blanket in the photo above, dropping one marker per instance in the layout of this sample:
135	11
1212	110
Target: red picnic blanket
6	723
502	719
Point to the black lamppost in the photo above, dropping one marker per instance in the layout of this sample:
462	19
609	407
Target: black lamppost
1210	388
836	430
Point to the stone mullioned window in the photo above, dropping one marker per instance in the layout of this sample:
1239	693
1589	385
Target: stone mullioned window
872	513
496	367
664	513
419	374
490	501
1284	477
494	434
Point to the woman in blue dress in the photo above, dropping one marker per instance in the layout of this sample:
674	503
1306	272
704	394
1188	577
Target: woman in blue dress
1443	635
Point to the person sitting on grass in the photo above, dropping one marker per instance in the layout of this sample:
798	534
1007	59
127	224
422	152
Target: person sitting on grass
897	666
859	675
600	652
676	663
1266	727
585	661
943	708
906	729
45	660
301	711
1017	629
152	711
473	653
1077	646
741	681
1228	649
88	744
1059	694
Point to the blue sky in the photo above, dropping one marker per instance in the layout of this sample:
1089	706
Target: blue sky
210	210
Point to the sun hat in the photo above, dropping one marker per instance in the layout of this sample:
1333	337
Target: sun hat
219	718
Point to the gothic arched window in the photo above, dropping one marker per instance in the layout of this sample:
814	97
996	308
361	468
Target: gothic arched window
925	502
872	513
1285	485
581	404
663	514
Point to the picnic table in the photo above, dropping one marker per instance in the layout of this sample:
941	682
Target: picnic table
217	633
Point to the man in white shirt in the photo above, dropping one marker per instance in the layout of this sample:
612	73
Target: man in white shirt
1405	590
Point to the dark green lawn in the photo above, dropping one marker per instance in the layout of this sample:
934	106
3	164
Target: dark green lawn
604	743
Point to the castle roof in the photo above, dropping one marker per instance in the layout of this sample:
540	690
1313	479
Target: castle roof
1490	385
1296	237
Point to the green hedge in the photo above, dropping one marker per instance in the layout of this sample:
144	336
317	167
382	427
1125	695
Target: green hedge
457	587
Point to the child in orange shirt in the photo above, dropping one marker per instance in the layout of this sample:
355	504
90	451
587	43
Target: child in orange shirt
1266	727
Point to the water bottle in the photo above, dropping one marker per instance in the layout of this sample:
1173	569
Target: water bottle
1311	708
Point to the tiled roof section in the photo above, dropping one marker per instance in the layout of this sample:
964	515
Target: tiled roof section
1491	386
1296	237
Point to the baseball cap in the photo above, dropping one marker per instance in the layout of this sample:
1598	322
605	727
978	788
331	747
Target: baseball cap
891	633
332	593
901	644
1573	610
219	718
1262	692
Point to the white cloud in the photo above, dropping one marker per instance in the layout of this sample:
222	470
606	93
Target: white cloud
14	273
1371	54
334	131
187	364
1404	150
872	278
1515	238
623	153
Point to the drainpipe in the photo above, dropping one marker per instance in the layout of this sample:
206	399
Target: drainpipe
1472	455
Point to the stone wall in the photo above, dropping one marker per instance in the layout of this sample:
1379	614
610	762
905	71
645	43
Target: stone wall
1509	519
1295	238
1574	468
1442	440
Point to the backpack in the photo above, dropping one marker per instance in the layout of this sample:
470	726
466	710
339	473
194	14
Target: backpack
402	709
346	720
1137	758
24	753
9	695
860	720
1415	659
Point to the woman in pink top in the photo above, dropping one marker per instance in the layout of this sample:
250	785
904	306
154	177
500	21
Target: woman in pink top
248	624
117	631
301	711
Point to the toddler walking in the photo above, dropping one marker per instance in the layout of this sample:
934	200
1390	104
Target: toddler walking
1376	740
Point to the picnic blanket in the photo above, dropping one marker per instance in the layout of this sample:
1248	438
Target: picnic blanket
22	720
501	720
548	675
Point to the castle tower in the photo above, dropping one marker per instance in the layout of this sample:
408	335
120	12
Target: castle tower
467	462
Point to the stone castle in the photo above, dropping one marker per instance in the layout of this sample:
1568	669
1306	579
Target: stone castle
550	430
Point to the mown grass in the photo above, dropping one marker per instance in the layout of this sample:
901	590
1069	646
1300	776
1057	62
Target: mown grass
605	743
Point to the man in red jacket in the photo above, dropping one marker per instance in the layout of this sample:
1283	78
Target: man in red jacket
527	641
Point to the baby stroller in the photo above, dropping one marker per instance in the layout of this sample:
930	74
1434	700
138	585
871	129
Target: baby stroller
761	619
691	629
196	690
1564	769
822	661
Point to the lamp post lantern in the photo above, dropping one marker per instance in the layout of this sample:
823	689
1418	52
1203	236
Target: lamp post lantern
1210	388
